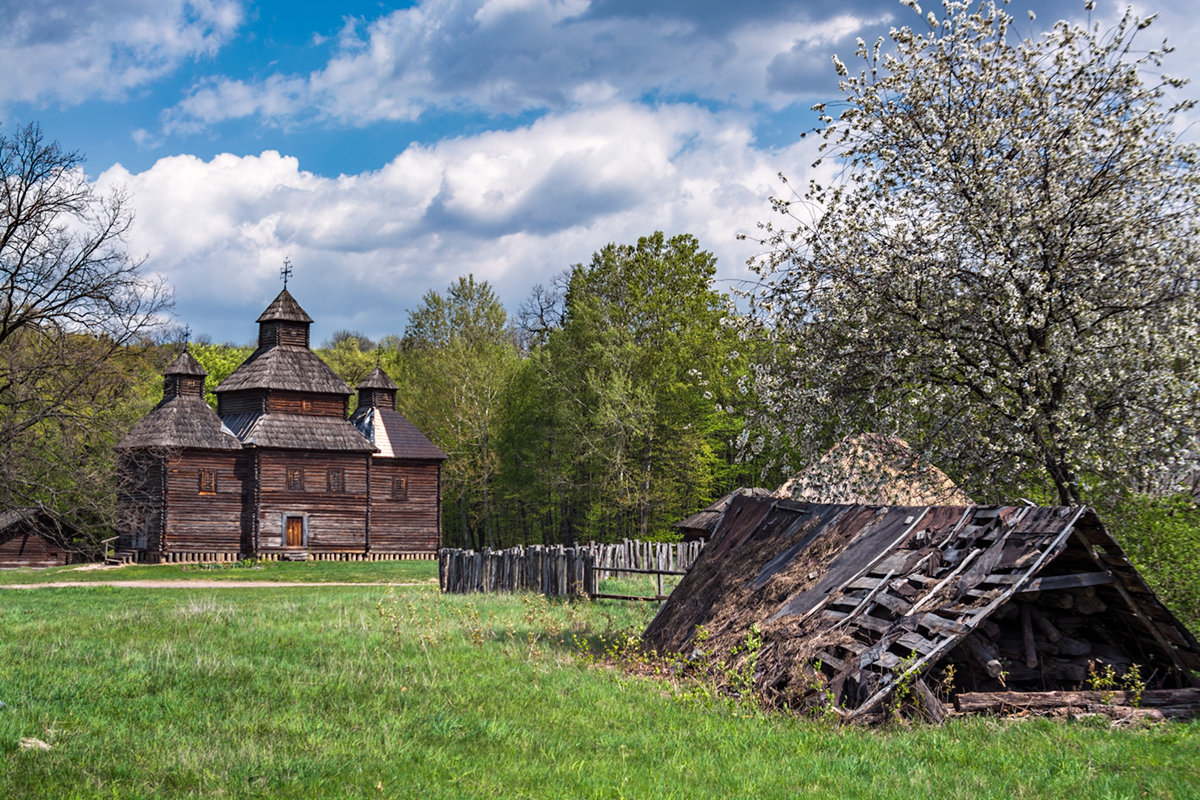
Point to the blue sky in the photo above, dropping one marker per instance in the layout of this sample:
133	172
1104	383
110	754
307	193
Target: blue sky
387	148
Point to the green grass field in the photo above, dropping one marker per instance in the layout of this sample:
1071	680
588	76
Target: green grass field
327	691
275	571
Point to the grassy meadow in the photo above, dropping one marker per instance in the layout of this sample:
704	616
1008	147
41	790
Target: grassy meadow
275	571
368	691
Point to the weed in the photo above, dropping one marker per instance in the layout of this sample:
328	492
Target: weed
903	691
1103	678
740	678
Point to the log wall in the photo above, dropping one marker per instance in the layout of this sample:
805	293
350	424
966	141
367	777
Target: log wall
410	524
31	550
335	521
198	522
248	402
140	507
319	405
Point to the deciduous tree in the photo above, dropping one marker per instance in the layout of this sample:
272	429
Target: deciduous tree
1005	269
72	303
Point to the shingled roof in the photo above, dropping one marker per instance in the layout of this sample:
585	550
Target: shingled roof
179	422
378	379
853	600
285	368
394	436
185	364
284	308
298	432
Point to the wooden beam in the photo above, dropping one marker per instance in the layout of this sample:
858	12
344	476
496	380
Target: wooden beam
1058	582
996	701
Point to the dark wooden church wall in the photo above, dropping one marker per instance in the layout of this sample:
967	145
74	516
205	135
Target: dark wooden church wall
204	522
337	521
307	403
404	525
139	501
249	402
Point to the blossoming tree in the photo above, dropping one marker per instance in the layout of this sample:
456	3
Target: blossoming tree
1005	269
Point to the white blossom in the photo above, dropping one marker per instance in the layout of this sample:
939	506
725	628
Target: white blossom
1006	271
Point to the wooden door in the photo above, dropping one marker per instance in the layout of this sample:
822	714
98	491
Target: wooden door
295	531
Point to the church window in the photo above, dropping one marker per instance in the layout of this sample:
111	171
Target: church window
336	480
295	479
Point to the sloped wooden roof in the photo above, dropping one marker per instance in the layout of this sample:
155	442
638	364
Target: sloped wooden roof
393	435
179	422
874	469
185	364
868	596
378	379
285	368
31	520
298	432
706	519
284	308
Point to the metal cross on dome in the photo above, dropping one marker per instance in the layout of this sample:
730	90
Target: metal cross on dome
286	271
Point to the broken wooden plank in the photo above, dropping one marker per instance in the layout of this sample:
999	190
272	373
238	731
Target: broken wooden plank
931	706
1053	583
867	599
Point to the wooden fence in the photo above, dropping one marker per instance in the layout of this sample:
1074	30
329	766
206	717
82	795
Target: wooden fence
560	571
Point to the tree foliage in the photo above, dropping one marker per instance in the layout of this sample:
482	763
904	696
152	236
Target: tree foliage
1004	271
459	356
613	426
73	306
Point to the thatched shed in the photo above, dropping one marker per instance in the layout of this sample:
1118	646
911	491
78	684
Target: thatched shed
853	601
873	469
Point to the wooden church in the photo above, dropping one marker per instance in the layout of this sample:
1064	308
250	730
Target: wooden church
281	469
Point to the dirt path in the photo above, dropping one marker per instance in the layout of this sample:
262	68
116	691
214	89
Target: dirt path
203	584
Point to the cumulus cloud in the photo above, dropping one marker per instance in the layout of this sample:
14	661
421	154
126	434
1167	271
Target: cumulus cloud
509	56
67	53
513	207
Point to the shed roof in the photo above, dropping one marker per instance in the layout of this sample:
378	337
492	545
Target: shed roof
703	521
853	599
298	432
284	308
179	422
394	436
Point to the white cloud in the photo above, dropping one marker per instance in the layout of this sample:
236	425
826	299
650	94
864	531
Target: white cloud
510	56
67	53
514	208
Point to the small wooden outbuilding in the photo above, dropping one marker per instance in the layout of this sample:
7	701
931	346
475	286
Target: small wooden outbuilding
30	537
854	601
279	470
